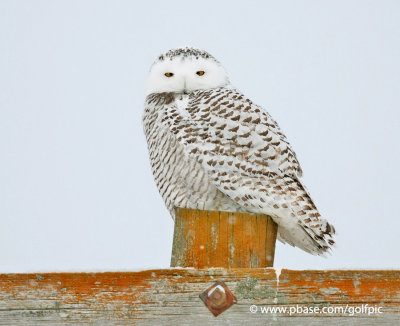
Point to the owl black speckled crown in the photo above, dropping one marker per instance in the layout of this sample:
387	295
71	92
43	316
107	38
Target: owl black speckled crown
185	53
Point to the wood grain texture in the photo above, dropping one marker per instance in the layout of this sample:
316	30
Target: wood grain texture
171	297
223	239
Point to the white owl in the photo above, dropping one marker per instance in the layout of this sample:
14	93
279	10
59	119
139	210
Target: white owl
212	148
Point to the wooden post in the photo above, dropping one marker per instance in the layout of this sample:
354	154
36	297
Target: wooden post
223	239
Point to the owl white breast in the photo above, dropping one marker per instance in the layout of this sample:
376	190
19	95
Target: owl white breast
212	148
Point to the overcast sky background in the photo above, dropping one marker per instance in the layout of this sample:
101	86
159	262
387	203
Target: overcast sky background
76	190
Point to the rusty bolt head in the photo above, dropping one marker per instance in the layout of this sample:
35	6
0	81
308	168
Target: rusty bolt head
218	298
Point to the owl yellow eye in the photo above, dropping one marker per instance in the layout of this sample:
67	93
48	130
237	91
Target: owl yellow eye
168	74
200	72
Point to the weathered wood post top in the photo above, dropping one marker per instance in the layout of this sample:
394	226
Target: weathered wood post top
223	239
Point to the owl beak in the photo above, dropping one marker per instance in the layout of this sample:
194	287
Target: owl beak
184	87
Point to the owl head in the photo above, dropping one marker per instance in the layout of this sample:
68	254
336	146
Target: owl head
184	70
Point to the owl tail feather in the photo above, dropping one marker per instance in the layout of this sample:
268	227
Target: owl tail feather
307	240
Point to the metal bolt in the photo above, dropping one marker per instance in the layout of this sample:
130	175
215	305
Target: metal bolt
218	298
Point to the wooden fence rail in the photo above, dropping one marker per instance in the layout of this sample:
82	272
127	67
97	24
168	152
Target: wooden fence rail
171	297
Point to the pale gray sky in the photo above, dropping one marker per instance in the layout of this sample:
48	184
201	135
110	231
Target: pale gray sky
76	190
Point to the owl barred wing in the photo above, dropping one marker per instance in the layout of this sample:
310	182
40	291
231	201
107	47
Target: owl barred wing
245	129
249	159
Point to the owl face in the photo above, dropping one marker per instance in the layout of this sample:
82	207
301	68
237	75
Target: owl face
185	70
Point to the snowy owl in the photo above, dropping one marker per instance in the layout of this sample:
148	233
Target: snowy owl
212	148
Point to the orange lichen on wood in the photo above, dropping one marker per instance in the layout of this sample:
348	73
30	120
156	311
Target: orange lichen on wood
171	296
223	239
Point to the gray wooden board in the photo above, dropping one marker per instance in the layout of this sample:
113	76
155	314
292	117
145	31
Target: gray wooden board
171	297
